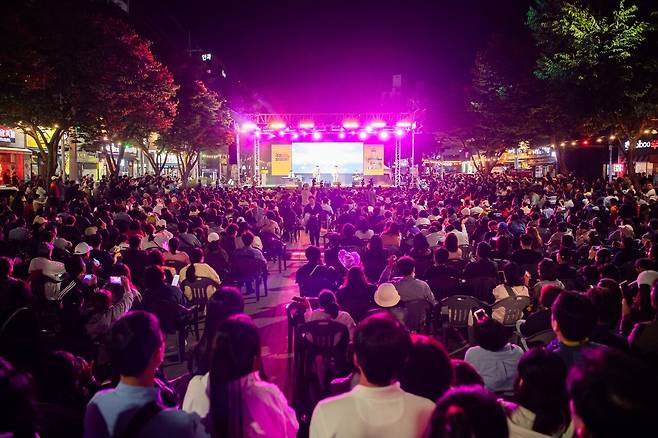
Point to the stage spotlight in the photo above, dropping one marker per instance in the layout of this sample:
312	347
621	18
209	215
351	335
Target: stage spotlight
369	129
317	136
403	124
399	132
350	124
341	135
257	134
363	135
277	125
383	135
353	132
378	124
282	133
248	126
306	125
295	136
303	133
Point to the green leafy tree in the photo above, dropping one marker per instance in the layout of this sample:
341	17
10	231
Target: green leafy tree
201	124
499	102
600	65
91	72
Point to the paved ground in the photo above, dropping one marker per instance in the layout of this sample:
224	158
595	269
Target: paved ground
269	315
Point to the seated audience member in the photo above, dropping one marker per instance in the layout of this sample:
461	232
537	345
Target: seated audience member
19	412
573	318
607	298
382	408
155	288
468	412
329	310
547	276
217	258
540	319
104	312
483	266
197	269
612	395
441	268
227	301
540	394
356	295
643	340
374	258
314	276
136	348
516	284
135	259
44	265
465	374
526	255
409	287
174	254
248	249
428	371
232	396
452	245
494	358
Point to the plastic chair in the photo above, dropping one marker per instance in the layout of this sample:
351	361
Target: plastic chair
542	338
320	355
199	291
416	314
456	311
274	248
250	272
514	307
174	319
482	288
295	313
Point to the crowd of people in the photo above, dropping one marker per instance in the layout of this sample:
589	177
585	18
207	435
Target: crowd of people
96	279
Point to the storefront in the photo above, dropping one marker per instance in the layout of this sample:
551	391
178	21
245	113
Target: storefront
15	158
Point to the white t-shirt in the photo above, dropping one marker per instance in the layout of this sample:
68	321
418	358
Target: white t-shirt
49	268
384	412
265	408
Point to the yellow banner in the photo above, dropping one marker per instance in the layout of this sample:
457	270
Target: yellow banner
373	159
281	159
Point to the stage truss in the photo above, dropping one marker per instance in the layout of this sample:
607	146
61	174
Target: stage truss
251	127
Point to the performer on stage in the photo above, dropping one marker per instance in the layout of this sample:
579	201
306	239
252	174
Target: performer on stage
316	173
334	174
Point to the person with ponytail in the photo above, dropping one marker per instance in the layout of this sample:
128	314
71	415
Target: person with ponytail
468	412
233	397
198	269
542	403
329	309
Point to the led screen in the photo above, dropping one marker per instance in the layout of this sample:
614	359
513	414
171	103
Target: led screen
347	156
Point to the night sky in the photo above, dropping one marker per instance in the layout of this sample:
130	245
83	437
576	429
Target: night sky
335	56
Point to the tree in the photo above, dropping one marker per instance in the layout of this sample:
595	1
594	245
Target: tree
600	64
90	72
202	123
499	101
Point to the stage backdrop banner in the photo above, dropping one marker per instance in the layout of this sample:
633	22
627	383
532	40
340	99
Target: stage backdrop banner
373	159
281	159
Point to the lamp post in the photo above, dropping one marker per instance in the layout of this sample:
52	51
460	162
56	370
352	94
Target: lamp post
610	161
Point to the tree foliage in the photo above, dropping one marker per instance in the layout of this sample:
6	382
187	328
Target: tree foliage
67	65
599	64
201	124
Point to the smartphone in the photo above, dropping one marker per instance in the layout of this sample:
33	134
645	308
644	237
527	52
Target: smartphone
501	277
175	280
115	280
87	278
480	314
96	262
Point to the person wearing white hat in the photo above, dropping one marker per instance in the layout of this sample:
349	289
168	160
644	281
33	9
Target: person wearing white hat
387	295
82	249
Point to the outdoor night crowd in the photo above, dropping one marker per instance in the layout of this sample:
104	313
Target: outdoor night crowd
477	307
